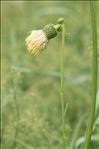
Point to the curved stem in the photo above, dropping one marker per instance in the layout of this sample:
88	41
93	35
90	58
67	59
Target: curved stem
62	86
94	76
76	133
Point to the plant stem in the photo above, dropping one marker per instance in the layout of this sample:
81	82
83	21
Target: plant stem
76	133
62	87
94	76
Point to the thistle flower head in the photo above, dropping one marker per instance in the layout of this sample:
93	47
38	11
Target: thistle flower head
38	39
36	42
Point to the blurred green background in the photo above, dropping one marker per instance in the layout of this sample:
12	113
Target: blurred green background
31	107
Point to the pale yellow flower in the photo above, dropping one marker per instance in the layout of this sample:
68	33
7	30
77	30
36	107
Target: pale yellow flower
38	39
36	42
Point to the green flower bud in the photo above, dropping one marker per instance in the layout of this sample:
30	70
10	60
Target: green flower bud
50	31
60	21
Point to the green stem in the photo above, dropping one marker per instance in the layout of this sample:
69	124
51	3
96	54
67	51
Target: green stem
94	76
62	87
76	133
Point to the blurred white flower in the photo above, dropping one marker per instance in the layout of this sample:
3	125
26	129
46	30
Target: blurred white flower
36	42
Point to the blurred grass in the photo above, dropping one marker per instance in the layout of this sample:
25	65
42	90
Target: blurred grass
33	83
